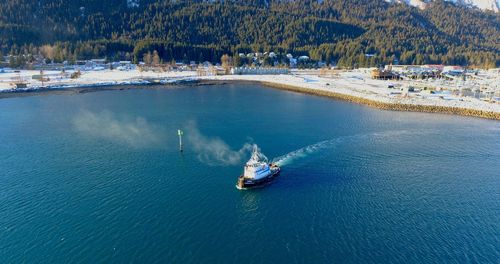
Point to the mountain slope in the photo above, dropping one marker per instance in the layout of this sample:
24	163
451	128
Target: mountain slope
333	31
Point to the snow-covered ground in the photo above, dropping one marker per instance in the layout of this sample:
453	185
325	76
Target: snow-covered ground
88	78
493	5
359	84
354	83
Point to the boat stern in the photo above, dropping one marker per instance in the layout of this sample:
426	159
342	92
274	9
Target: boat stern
240	184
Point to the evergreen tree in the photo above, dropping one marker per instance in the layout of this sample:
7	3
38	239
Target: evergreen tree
205	30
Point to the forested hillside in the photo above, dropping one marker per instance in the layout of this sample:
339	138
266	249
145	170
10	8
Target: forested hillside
340	32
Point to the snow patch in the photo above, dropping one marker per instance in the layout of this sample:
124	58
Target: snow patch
493	5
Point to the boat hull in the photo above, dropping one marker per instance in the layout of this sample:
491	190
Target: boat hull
244	183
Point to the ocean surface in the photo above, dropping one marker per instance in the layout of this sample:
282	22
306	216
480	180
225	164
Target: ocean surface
98	178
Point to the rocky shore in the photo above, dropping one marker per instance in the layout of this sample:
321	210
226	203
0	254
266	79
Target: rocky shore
388	106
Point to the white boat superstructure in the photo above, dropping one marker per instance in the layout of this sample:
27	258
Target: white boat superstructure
257	167
257	171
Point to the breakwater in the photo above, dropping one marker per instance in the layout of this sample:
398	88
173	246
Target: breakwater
387	106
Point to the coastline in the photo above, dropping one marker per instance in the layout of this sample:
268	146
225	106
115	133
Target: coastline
88	88
388	106
70	90
352	87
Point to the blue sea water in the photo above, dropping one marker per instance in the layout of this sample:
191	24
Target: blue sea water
98	178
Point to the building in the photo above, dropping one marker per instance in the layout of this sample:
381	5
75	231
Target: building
383	74
259	71
124	65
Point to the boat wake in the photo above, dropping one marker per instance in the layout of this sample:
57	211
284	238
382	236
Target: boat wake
305	151
311	149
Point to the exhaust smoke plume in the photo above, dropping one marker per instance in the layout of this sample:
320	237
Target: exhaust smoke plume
134	132
214	151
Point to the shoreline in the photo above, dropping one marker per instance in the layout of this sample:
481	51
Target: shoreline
344	91
75	89
372	103
387	106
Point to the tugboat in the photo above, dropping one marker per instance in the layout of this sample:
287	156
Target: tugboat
258	172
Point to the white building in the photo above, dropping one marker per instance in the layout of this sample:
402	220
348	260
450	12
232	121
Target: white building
259	71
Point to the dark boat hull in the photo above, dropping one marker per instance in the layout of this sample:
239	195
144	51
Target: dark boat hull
244	184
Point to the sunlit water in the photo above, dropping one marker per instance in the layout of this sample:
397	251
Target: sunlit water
98	178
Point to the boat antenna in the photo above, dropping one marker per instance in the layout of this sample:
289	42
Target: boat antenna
180	133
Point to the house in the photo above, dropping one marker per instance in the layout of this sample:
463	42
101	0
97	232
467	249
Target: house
125	66
383	74
96	64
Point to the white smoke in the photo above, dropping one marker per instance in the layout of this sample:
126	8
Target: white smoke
214	151
135	132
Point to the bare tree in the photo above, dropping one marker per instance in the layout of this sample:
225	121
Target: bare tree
147	58
226	63
48	52
156	58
